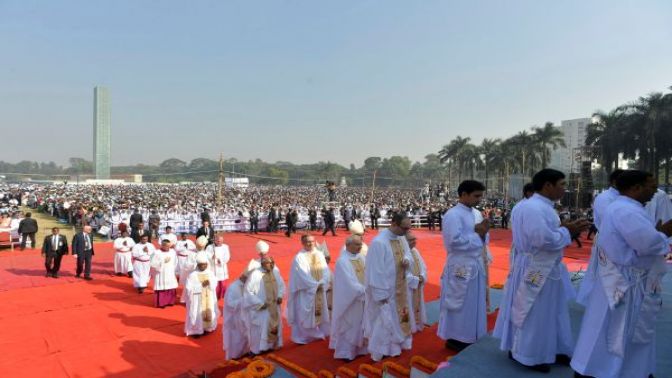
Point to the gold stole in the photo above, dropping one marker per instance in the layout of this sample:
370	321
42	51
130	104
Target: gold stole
358	266
401	287
316	271
416	292
271	290
206	293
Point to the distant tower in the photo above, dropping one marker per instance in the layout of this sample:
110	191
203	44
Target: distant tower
101	132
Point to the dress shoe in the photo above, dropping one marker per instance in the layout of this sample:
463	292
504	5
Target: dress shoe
579	375
130	274
541	368
88	278
48	274
78	276
456	345
562	359
55	275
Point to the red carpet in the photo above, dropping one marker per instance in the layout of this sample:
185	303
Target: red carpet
73	328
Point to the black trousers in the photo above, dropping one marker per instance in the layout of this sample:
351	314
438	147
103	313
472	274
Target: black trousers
328	227
52	262
374	223
254	226
84	263
313	225
25	236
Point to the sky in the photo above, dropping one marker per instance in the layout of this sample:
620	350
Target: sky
308	81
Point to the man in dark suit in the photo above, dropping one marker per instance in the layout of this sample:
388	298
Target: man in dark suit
375	214
82	247
53	248
28	229
206	231
136	218
138	231
312	216
254	220
329	222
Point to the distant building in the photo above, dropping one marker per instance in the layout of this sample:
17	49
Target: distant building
567	159
101	132
236	182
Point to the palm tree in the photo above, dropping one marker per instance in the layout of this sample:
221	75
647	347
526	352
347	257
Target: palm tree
606	137
525	151
452	152
488	149
548	137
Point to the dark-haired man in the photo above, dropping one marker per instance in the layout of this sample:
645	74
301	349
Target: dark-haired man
618	333
28	229
462	317
533	322
388	307
53	249
600	205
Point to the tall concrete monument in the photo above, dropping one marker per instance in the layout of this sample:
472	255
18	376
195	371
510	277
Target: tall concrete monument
101	132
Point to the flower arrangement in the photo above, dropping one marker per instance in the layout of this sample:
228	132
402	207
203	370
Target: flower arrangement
345	372
292	366
394	367
423	364
370	371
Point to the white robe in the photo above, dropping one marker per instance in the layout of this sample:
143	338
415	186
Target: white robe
142	264
463	310
533	320
171	237
184	249
617	337
258	321
219	258
347	331
600	205
660	208
123	260
381	320
164	271
234	329
195	307
301	300
414	286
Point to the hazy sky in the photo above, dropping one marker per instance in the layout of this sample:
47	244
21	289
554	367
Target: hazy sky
307	81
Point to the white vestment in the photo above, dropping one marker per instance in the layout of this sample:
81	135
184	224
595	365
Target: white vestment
200	300
307	311
533	320
347	330
600	205
660	208
219	258
387	315
260	322
142	256
463	310
123	260
416	290
234	330
170	237
618	332
163	264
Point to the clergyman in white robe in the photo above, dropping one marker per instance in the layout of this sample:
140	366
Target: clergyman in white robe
165	283
347	330
388	316
463	313
142	256
618	332
235	334
533	321
417	277
201	298
307	311
123	259
264	291
262	249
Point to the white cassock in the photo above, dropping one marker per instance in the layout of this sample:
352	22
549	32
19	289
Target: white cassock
660	208
416	290
307	311
200	300
234	329
264	288
600	205
463	310
164	271
184	249
123	260
347	331
512	251
142	256
219	258
170	237
618	332
387	315
533	320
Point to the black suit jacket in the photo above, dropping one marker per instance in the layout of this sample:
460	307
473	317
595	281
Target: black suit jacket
210	234
78	243
135	219
27	226
47	247
135	235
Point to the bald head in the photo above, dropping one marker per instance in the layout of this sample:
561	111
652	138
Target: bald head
353	244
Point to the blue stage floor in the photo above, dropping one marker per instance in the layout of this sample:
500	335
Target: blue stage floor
485	360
